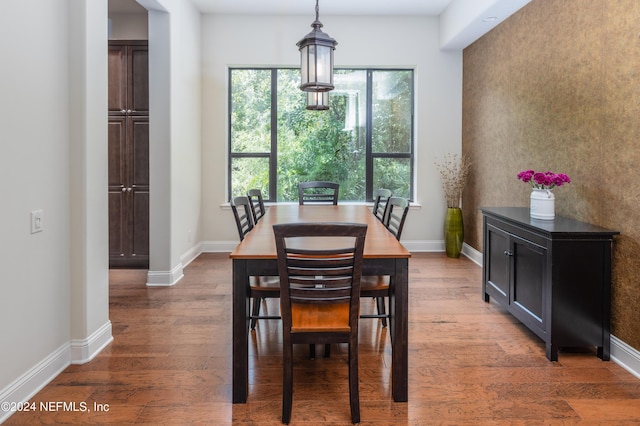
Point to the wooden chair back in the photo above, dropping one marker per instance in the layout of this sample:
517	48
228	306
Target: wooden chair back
318	192
257	204
241	207
380	198
397	209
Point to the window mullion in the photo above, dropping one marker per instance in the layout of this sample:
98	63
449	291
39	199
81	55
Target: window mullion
273	158
369	139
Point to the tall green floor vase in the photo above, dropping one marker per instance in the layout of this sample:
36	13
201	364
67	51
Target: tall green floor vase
453	232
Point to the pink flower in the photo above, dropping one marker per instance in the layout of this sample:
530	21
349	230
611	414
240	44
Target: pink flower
525	175
546	180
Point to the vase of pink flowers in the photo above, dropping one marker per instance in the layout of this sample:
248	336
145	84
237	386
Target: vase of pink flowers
542	200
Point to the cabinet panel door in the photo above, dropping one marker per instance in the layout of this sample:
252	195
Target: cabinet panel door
117	225
117	140
497	273
140	152
118	86
140	188
117	180
140	225
139	90
529	269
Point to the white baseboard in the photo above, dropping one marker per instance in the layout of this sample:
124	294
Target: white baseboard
84	350
474	255
416	246
625	356
190	255
36	378
165	278
77	351
218	246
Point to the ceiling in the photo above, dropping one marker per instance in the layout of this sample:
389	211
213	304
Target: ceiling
327	7
461	21
303	7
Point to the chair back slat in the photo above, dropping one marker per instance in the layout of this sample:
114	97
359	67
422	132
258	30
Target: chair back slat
242	214
318	192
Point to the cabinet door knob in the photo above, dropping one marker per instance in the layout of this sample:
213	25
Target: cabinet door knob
124	111
128	189
124	189
508	253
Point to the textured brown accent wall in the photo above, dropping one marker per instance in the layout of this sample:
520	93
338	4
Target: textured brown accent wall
557	87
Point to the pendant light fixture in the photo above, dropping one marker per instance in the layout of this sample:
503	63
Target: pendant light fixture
316	59
318	101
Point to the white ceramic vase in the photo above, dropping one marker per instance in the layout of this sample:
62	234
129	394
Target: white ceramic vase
543	204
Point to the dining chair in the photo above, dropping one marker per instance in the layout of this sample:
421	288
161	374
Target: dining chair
320	266
318	192
257	204
260	288
377	286
380	198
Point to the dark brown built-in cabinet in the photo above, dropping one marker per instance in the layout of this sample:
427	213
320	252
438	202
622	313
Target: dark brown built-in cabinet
128	154
553	275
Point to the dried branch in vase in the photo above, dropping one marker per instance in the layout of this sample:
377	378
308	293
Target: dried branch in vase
454	171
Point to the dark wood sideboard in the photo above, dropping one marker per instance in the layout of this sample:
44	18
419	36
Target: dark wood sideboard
552	275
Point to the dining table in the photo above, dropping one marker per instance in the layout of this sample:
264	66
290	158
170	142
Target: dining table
383	255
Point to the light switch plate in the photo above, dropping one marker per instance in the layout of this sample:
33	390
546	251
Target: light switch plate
37	224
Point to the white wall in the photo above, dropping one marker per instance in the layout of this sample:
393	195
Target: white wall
34	307
229	40
54	303
128	26
186	118
174	138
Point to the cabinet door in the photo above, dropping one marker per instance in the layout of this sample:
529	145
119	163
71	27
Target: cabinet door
128	191
527	289
118	79
497	264
139	194
128	79
138	59
117	180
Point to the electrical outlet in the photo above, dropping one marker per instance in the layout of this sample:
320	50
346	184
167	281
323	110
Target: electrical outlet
37	224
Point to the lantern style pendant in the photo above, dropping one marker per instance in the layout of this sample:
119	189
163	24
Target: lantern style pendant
316	59
318	101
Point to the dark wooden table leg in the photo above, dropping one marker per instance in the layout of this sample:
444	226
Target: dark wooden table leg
399	328
240	332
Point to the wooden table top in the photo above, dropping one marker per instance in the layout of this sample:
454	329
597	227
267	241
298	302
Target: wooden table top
260	242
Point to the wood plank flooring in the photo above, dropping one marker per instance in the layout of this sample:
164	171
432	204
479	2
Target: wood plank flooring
470	362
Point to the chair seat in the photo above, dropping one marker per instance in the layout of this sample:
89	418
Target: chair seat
376	286
320	318
374	283
262	288
265	284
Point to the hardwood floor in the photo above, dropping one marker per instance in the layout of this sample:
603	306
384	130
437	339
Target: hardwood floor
470	362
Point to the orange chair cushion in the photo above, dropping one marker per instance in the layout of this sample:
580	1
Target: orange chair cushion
319	318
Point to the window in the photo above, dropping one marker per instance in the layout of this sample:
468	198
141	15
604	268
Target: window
363	142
